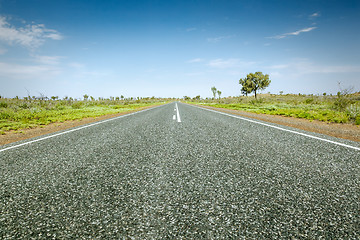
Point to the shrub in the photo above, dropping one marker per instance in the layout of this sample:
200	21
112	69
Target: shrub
341	103
24	105
353	110
309	100
117	106
5	115
357	120
60	107
256	101
76	105
343	99
3	105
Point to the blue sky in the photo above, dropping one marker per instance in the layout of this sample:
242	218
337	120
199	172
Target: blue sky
176	48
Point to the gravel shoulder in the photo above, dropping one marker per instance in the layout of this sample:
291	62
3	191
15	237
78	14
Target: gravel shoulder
339	130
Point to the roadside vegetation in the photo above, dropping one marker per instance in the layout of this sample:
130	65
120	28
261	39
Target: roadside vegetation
344	107
341	108
32	112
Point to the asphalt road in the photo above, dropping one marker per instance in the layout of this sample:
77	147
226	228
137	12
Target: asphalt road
180	173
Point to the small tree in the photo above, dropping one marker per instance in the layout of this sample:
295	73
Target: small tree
219	93
247	86
197	97
213	89
254	82
86	97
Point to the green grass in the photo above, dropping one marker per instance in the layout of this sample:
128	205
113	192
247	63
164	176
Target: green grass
17	114
328	109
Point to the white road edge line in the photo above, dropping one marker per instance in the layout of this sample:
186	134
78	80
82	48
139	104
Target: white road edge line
79	128
280	128
177	113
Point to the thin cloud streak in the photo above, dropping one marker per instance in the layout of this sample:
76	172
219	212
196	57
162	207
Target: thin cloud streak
296	33
314	15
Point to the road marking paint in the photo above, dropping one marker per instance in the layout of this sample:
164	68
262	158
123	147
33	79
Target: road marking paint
79	128
174	117
280	128
177	113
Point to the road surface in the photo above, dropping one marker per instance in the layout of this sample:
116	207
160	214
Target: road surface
180	172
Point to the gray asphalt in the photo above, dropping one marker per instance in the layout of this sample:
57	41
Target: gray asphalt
210	176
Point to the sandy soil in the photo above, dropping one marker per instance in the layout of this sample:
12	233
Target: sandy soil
346	131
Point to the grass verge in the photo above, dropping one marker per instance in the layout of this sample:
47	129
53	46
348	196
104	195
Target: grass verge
18	114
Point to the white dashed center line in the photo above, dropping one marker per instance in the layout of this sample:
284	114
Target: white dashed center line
177	116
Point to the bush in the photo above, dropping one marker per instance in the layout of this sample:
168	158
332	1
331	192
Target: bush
76	105
256	101
116	107
353	111
357	120
309	100
3	105
24	105
341	103
5	115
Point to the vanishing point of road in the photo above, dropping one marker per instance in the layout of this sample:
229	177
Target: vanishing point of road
180	172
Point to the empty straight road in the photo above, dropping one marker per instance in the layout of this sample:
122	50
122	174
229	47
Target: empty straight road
180	172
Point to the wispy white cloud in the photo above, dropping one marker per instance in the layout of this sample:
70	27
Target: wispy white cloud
296	33
30	36
217	39
314	15
195	60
